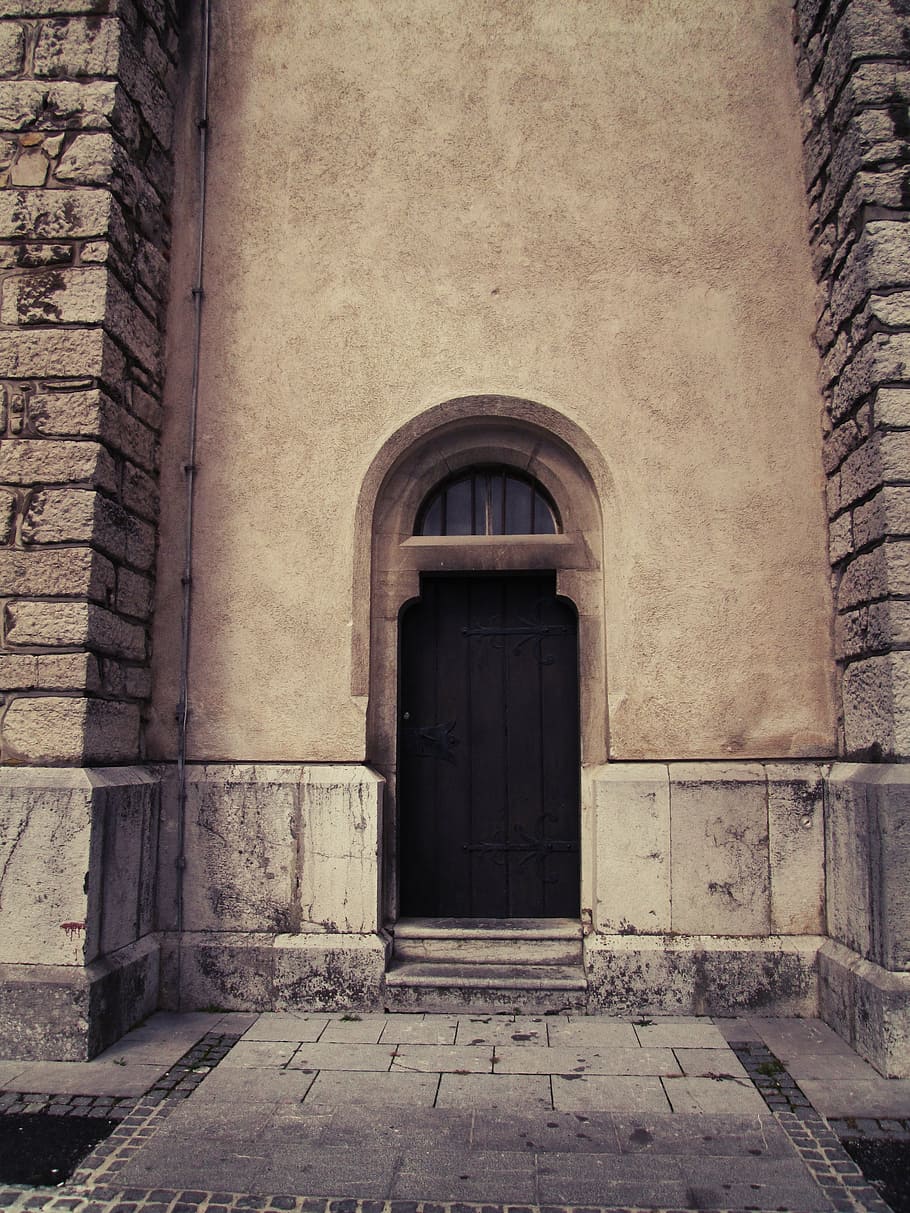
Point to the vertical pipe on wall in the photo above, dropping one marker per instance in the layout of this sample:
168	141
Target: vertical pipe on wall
189	468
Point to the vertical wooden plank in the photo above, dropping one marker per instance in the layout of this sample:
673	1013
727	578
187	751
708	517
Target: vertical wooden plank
452	795
415	785
485	670
524	744
562	763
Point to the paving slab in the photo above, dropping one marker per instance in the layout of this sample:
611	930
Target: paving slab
315	1125
360	1172
317	1181
514	1030
585	1061
408	1029
400	1127
682	1035
808	1197
592	1033
736	1028
234	1022
617	1195
196	1023
169	1162
594	1178
713	1095
86	1077
788	1038
489	1176
704	1133
287	1025
150	1051
238	1085
827	1067
672	1020
327	1056
608	1093
859	1097
716	1171
239	1121
495	1092
290	1111
547	1132
360	1029
451	1059
256	1054
338	1087
707	1063
163	1038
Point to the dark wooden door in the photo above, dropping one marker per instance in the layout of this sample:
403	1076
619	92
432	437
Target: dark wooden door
489	761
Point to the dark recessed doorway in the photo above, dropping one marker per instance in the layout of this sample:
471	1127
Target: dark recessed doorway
489	752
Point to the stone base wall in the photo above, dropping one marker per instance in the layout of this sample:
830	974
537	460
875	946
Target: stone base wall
280	897
273	849
864	968
702	975
707	889
239	971
73	1012
280	887
868	1006
78	870
868	845
710	848
715	885
708	883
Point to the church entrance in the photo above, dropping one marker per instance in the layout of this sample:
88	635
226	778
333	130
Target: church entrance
489	751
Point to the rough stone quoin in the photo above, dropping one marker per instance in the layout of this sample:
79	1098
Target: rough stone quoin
854	73
86	115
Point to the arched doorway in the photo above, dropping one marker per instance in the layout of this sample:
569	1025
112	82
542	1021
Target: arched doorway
414	572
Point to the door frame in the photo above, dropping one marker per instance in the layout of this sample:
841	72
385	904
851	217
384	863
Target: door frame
398	557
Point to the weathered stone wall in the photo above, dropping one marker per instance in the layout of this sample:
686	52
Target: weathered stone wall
864	967
281	888
86	171
78	867
854	71
710	849
708	887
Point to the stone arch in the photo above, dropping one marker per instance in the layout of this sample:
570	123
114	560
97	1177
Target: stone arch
459	434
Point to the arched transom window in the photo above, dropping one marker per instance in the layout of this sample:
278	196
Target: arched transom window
488	501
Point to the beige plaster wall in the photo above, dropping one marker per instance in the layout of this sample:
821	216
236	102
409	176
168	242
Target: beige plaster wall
594	206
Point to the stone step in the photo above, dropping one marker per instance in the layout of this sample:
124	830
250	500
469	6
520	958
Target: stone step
485	941
492	987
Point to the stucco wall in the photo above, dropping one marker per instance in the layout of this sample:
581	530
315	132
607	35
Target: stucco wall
599	208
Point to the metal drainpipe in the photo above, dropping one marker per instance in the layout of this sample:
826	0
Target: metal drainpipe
189	469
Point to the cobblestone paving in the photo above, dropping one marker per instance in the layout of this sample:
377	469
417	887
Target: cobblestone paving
93	1187
872	1129
182	1079
831	1166
107	1107
777	1088
133	1201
